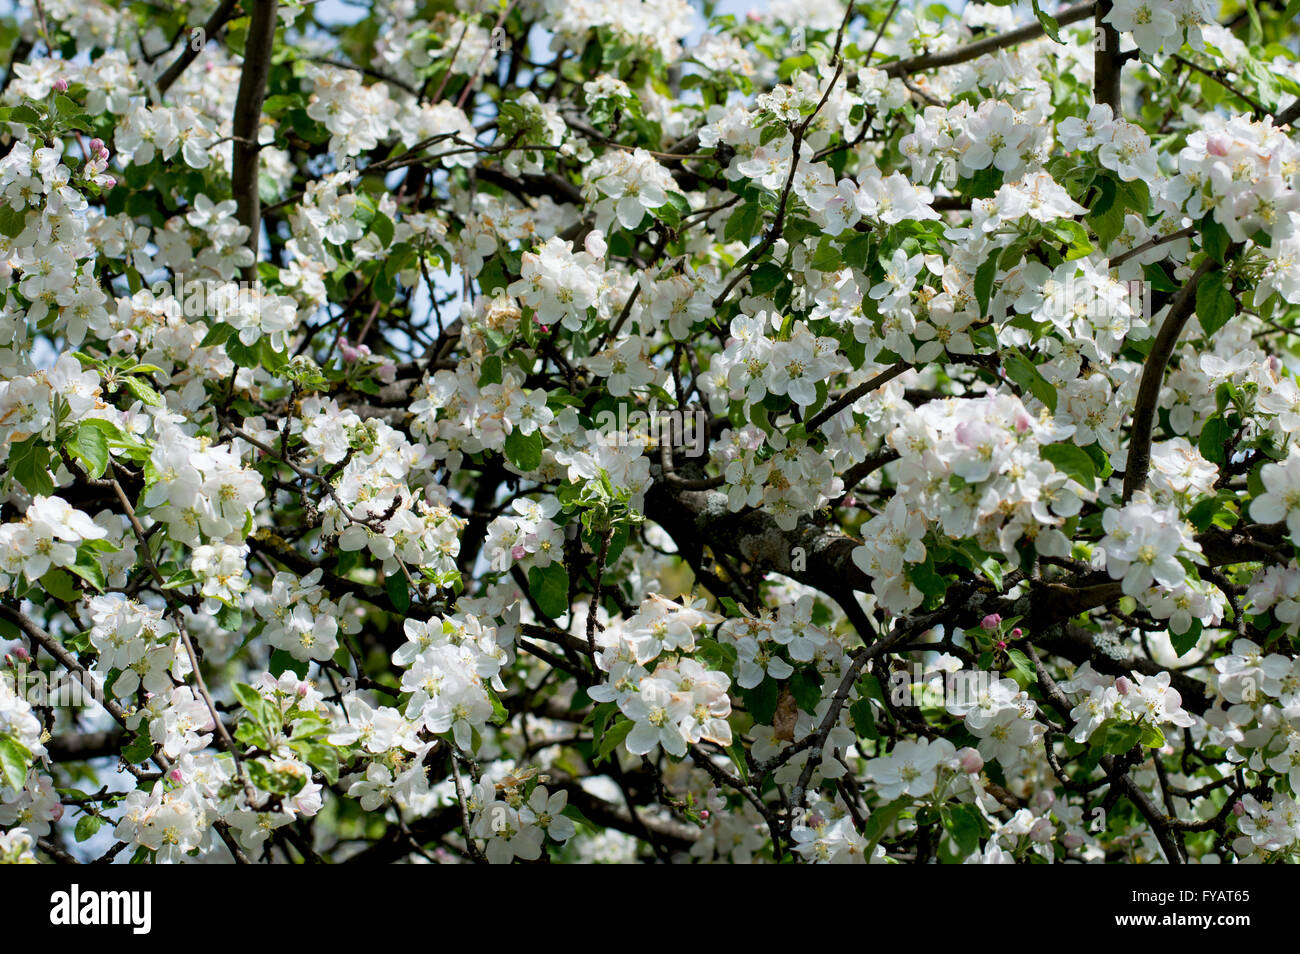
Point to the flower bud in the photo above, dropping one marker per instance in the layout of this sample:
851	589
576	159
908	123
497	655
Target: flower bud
992	621
60	85
970	760
1123	686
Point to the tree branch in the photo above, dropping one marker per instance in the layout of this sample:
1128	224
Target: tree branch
248	114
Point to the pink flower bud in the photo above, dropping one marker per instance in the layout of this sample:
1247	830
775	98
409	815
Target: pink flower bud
1017	633
1001	644
850	501
992	621
518	551
970	760
1123	686
348	352
176	776
56	813
303	689
1216	146
704	813
22	653
386	372
1239	808
109	183
60	85
96	144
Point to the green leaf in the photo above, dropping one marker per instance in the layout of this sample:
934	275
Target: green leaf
139	749
1134	195
12	221
500	715
1215	434
984	277
1073	461
827	258
1184	643
857	251
59	585
1214	303
743	224
88	568
760	702
90	446
87	825
966	826
524	450
398	591
766	277
1022	664
879	821
1118	737
613	737
1214	238
864	716
1021	370
549	586
248	697
383	227
14	759
1107	215
926	579
806	687
144	392
282	662
29	463
1050	26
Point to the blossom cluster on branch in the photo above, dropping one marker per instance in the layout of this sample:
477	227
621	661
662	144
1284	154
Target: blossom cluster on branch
959	518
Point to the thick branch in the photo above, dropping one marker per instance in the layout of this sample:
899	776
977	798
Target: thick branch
248	114
191	51
973	51
1107	64
1153	376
